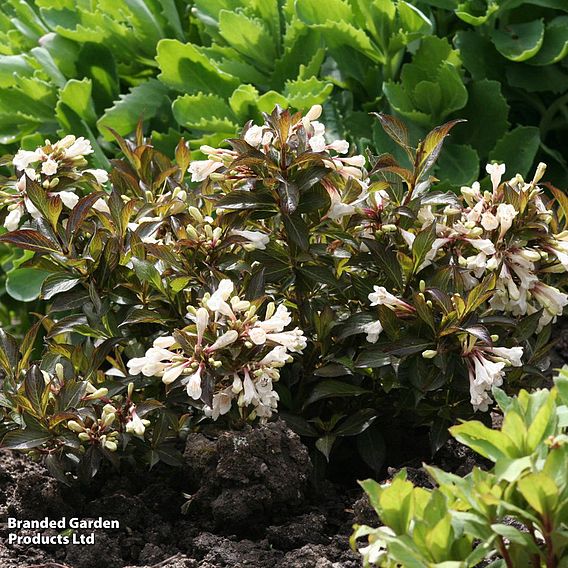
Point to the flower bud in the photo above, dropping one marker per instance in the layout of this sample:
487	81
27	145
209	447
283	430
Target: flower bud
208	231
108	419
59	371
195	213
84	437
389	228
99	393
130	389
429	354
111	446
75	426
191	233
494	338
422	285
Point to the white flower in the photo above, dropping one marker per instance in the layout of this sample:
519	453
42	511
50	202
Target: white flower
100	175
193	386
202	169
496	172
24	158
218	300
512	355
483	245
339	146
69	198
505	214
489	222
201	321
278	356
101	205
381	296
164	342
79	147
314	113
293	340
152	364
373	330
253	135
257	335
221	404
256	239
49	167
338	209
550	298
225	340
317	143
12	221
172	372
135	425
277	320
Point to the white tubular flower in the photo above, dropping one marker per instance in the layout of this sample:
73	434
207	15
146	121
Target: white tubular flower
496	172
373	330
221	404
80	147
101	205
256	239
278	357
68	198
384	298
511	355
277	321
487	372
49	167
550	298
249	394
253	135
294	340
135	425
193	386
483	245
164	342
489	222
339	146
202	169
313	114
218	300
472	194
317	143
225	340
100	175
173	371
505	214
152	364
24	158
201	321
338	209
12	221
257	335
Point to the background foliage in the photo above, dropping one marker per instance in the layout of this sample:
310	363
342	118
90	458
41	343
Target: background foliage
77	67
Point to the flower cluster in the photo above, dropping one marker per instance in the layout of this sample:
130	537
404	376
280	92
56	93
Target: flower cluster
228	353
267	140
58	168
505	233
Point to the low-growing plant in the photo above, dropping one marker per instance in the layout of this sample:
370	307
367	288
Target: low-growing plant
515	514
347	289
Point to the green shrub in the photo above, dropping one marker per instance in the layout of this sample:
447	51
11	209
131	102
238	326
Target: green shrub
353	296
515	514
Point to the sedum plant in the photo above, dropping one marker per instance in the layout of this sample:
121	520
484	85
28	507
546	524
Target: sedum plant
513	515
342	290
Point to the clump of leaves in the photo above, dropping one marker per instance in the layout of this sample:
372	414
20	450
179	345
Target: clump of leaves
514	514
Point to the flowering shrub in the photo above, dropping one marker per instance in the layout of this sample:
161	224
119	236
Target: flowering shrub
343	288
515	514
